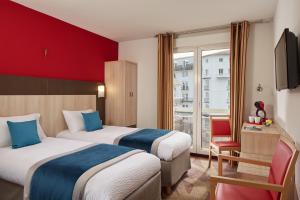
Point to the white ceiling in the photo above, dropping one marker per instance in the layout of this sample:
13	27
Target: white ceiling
122	20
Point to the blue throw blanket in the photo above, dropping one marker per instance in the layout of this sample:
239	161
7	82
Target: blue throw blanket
143	139
56	178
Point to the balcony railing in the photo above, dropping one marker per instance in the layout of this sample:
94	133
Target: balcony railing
183	100
182	67
226	75
183	121
206	76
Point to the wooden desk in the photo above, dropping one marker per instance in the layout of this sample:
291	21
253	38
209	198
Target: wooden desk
259	142
258	145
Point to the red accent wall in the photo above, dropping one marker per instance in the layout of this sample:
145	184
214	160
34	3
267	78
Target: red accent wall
73	53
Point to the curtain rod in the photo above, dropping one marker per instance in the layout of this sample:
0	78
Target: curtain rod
216	28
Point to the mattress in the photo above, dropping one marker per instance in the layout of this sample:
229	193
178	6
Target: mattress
115	182
168	149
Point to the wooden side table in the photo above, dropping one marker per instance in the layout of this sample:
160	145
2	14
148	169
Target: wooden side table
258	145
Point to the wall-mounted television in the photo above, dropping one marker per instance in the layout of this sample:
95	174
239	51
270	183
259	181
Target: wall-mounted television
286	61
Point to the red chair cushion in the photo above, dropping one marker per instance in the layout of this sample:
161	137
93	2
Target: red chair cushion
220	127
227	144
280	162
234	192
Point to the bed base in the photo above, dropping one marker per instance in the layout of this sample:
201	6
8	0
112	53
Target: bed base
173	170
151	190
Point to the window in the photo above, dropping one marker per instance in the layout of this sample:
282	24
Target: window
206	97
206	84
203	74
184	105
206	72
221	72
207	94
185	86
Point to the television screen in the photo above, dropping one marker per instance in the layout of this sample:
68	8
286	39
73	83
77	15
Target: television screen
281	64
286	61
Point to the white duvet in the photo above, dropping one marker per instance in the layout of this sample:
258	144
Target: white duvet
115	182
168	149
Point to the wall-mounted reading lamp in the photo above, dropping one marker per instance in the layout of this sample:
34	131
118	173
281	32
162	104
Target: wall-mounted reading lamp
259	88
101	91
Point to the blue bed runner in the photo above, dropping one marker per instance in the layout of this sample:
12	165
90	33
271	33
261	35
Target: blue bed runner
56	178
143	139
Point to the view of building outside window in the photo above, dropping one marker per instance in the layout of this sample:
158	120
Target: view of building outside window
216	86
184	92
215	90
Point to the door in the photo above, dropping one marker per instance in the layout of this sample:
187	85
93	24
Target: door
185	93
131	93
215	90
200	90
115	93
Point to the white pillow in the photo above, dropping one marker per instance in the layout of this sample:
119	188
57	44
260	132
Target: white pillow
74	119
5	139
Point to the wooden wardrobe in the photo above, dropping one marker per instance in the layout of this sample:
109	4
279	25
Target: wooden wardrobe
121	93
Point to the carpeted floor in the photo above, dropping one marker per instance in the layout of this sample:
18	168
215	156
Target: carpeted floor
195	183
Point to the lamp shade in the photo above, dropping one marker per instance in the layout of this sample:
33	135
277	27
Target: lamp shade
101	91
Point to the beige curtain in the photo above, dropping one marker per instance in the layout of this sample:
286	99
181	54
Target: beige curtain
238	52
165	82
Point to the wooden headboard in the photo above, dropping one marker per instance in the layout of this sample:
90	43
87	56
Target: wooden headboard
49	106
23	95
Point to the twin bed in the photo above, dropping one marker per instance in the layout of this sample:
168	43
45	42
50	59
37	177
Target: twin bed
133	174
173	151
114	182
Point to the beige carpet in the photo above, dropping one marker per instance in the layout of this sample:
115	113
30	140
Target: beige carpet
195	184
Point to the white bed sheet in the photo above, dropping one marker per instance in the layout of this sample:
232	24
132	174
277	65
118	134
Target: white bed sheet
168	149
115	182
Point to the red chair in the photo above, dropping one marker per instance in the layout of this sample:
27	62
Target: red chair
220	128
282	170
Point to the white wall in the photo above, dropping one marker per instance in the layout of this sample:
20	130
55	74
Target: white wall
287	102
144	52
260	59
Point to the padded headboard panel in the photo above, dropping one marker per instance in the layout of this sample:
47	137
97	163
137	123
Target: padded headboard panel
49	106
21	95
